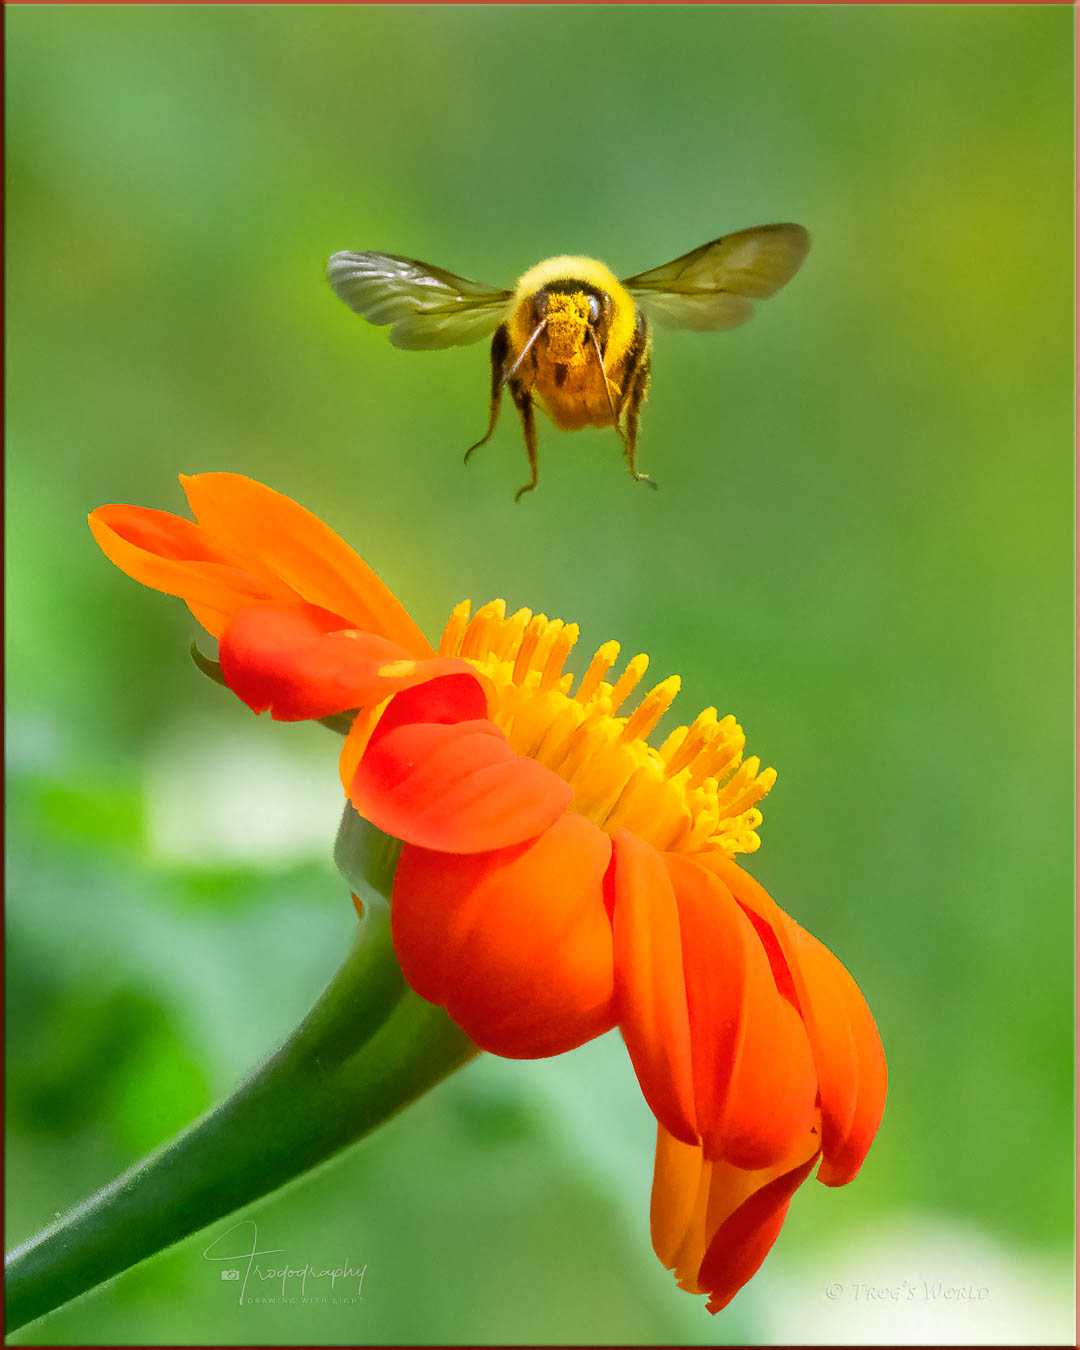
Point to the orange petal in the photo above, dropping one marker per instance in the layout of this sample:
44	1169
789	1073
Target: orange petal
170	554
849	1059
297	661
213	620
516	943
740	1244
455	786
753	1071
679	1193
356	742
292	544
650	992
702	1208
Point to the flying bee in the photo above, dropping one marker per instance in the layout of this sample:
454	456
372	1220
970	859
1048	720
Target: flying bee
570	334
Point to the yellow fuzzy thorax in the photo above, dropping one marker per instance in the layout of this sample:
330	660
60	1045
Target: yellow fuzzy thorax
693	793
568	267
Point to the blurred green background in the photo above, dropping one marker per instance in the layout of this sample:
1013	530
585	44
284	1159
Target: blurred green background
861	547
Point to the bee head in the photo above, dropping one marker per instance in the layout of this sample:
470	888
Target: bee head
572	312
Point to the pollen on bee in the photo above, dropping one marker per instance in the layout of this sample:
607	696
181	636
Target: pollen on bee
567	320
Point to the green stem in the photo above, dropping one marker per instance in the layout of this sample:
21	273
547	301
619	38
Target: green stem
367	1048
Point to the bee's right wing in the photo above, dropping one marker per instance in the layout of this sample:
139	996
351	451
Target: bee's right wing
715	286
425	306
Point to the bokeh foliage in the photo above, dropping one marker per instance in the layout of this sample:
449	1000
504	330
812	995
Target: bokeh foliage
861	546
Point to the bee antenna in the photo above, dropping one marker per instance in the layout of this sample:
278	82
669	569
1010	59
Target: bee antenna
525	350
607	385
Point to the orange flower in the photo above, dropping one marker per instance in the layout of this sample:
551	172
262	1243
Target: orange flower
752	1043
559	875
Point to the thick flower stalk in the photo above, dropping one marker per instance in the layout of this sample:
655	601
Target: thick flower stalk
368	1047
559	874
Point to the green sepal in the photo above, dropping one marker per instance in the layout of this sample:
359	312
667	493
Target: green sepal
209	667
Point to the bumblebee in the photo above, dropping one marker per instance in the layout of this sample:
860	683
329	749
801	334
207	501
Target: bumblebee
570	334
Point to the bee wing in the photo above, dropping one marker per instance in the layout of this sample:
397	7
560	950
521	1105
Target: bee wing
425	307
715	286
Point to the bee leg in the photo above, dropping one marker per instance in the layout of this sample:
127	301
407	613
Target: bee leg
500	345
524	404
635	396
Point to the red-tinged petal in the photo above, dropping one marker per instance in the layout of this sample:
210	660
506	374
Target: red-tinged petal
307	555
439	700
460	697
161	534
170	554
753	1070
848	1056
457	788
650	991
300	663
273	656
712	1209
714	947
740	1244
828	982
774	1085
516	943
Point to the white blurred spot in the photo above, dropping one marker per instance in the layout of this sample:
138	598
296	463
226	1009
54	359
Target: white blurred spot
266	794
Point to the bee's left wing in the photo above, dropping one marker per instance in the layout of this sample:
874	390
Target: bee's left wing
425	306
716	285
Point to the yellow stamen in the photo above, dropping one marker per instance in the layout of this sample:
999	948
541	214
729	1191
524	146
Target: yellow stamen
511	634
695	793
485	622
527	650
454	631
560	650
628	681
684	743
601	663
722	754
651	708
545	645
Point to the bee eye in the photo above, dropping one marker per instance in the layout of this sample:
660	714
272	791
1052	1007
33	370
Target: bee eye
594	309
540	304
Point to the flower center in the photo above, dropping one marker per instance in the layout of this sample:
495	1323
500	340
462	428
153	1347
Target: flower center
695	792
